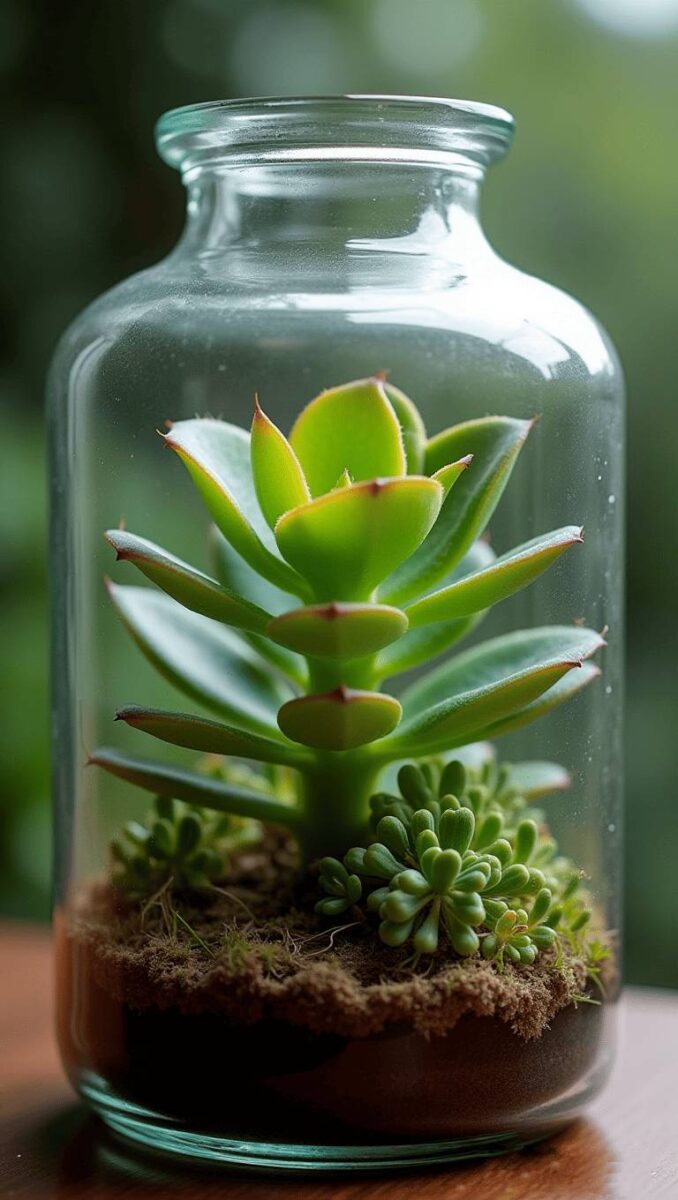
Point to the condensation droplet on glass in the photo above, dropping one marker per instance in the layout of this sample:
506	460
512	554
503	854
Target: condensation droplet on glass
608	690
611	499
612	828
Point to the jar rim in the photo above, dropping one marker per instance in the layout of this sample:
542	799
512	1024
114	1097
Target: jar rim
375	128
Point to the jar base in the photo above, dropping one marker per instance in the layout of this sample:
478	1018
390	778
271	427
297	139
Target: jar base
155	1132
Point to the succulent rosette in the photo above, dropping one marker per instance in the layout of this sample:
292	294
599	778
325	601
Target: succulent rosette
344	554
459	854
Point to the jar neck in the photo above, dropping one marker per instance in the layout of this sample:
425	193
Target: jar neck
342	207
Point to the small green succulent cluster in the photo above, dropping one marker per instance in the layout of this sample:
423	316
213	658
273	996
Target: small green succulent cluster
178	843
460	851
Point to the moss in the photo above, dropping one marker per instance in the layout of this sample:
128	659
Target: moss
253	957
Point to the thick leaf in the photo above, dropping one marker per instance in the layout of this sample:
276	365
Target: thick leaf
412	428
564	690
448	475
209	737
208	662
340	720
234	573
346	542
465	717
419	646
217	456
504	577
353	428
278	478
500	658
339	630
165	780
185	584
494	443
535	779
469	694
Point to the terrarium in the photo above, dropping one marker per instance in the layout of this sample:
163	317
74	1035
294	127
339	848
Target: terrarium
336	545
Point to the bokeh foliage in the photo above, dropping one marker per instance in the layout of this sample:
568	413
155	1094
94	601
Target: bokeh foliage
587	198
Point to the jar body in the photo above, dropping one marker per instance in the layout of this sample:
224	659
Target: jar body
284	316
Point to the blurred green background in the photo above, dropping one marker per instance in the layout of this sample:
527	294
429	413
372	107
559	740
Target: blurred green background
588	198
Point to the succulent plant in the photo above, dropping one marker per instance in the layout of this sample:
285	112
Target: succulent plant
344	555
439	865
178	843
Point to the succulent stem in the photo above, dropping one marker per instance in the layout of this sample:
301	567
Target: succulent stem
335	802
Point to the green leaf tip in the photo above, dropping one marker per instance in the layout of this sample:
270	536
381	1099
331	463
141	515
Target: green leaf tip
279	480
352	427
496	581
495	443
211	737
217	457
190	587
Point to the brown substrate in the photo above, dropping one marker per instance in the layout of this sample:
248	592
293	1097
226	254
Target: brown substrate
247	1016
346	983
249	957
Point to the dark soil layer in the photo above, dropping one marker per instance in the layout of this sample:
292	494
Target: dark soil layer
259	1021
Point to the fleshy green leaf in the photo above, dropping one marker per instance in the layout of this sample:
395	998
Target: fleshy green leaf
234	573
535	779
217	457
346	542
278	478
504	577
564	690
165	780
494	443
339	630
205	660
209	737
501	657
412	428
352	427
424	644
340	720
184	583
448	475
486	685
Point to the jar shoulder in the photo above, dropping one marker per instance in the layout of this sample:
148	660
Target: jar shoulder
505	308
538	321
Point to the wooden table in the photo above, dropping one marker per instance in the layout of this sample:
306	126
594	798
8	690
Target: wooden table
627	1148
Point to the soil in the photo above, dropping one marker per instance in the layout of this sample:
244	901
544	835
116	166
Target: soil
246	1014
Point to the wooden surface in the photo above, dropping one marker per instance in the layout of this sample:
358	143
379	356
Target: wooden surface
626	1149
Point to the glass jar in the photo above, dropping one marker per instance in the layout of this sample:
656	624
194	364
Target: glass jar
204	1005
